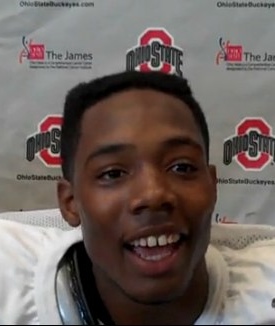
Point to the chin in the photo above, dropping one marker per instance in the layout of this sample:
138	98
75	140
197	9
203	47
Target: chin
156	292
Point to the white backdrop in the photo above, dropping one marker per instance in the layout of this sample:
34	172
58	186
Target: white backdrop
225	48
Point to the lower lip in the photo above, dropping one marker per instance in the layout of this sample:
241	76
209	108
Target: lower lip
156	267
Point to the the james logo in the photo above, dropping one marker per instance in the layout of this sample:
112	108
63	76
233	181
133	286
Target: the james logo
31	51
40	56
155	51
252	146
45	144
229	52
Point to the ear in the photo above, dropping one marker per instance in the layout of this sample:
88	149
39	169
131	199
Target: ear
67	202
213	175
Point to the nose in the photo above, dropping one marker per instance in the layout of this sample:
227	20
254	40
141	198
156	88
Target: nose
152	192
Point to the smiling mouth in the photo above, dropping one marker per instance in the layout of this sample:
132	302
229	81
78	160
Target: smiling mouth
156	248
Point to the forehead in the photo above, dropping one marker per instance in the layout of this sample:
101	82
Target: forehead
136	115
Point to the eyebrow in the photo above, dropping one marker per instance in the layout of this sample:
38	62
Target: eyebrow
178	141
108	149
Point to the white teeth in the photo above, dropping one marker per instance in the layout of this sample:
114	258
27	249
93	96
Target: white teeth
156	257
136	243
173	238
170	239
143	242
162	240
176	237
153	241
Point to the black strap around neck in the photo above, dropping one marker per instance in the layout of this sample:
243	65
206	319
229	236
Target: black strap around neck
94	308
77	296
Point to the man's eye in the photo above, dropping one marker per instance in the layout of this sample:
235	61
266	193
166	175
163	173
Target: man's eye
111	174
183	168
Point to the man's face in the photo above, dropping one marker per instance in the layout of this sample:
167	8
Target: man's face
143	193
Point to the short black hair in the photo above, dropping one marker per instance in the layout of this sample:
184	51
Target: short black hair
84	95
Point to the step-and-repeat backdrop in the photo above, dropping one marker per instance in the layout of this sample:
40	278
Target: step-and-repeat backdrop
225	48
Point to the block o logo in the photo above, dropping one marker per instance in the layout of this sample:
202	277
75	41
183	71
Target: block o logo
155	51
45	143
252	146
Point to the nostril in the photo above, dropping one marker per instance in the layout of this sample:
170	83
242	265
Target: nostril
153	200
167	207
138	210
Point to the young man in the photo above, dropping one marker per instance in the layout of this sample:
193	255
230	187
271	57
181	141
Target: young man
138	183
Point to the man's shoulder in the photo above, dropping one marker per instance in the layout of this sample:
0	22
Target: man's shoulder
251	287
245	243
26	244
249	255
24	232
29	256
18	240
242	236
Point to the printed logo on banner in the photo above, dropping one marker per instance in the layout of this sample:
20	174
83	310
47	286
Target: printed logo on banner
156	50
229	52
237	58
31	51
45	143
38	55
252	146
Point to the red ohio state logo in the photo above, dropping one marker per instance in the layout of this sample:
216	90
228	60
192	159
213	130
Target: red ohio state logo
155	51
45	144
253	146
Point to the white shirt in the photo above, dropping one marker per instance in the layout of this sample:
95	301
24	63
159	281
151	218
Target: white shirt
241	288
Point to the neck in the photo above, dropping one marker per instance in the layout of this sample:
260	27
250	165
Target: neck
182	311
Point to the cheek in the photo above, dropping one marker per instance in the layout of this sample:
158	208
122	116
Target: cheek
200	203
100	215
99	235
102	206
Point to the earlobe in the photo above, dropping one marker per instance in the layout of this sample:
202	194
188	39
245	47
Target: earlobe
213	174
67	203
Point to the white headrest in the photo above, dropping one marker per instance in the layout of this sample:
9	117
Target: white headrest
44	218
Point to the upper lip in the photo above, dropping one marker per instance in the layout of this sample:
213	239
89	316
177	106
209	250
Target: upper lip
155	231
